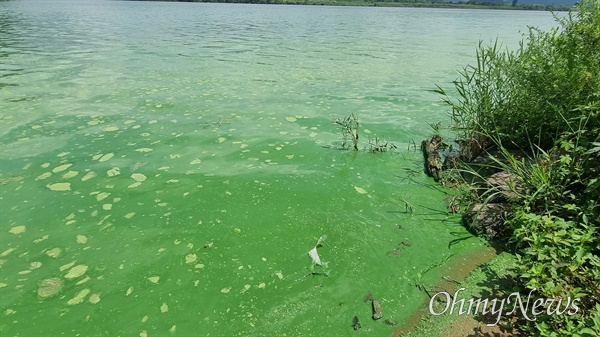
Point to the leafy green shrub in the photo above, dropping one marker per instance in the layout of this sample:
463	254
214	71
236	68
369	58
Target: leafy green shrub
556	233
531	95
545	97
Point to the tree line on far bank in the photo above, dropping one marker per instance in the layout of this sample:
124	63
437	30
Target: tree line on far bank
474	4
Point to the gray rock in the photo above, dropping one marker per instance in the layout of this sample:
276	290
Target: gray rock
504	186
488	220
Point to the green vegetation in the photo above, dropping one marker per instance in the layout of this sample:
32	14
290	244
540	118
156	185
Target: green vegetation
350	130
379	145
543	101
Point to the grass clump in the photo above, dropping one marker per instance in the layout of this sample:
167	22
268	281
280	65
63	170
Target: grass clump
379	145
544	99
350	129
532	94
349	126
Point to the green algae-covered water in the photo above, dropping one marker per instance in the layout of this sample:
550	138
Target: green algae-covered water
167	167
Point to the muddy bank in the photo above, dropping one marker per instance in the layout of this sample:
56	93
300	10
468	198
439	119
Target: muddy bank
456	270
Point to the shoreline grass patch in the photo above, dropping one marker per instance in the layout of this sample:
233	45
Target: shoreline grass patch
542	100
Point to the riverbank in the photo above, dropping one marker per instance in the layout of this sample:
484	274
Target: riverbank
480	276
526	173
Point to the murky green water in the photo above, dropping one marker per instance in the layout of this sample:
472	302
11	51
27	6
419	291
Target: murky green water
166	167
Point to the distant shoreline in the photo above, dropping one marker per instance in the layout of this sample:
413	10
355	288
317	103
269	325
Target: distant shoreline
361	3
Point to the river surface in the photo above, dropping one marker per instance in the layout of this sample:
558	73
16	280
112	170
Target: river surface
167	167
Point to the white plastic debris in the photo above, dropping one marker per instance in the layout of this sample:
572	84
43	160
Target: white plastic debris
314	255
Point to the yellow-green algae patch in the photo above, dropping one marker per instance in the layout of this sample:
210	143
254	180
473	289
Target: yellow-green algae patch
360	190
49	287
17	230
106	157
79	297
60	187
61	168
88	176
76	271
138	177
94	298
54	252
70	174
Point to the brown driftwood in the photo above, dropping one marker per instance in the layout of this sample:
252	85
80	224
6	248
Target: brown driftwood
433	162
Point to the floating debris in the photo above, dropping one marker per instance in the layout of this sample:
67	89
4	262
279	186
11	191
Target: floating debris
314	255
394	252
377	310
390	322
356	323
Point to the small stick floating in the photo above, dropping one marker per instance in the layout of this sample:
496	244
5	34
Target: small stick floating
377	310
